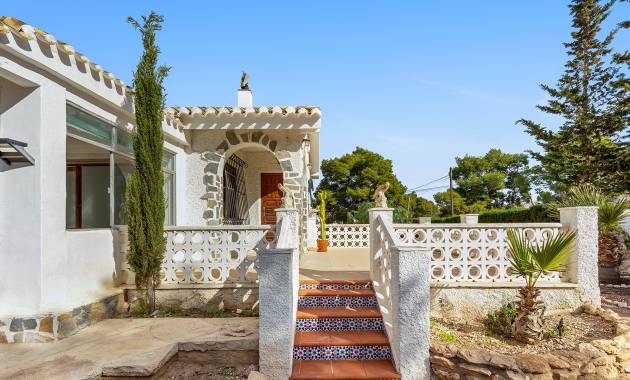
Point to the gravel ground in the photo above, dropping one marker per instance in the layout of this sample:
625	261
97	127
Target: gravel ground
580	328
617	295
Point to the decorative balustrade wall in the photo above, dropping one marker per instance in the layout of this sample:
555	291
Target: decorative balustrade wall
473	253
208	256
348	235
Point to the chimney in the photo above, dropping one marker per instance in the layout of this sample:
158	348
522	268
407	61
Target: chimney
245	99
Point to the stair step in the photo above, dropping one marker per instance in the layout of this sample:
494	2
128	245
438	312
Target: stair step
343	370
339	324
355	352
336	292
337	301
338	312
335	284
340	338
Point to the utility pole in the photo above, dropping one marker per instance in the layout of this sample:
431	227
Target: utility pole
450	189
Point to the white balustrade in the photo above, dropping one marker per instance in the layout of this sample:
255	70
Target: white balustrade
212	255
348	235
473	253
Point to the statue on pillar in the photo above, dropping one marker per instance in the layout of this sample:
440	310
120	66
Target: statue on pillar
380	200
287	196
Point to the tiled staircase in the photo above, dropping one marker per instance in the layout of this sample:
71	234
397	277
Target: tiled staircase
339	333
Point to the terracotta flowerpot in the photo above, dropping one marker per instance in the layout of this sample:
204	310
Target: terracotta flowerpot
322	245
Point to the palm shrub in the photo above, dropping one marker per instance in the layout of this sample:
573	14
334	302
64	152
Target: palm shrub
531	261
145	203
611	212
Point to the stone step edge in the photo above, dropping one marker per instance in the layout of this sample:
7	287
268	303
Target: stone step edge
336	293
335	282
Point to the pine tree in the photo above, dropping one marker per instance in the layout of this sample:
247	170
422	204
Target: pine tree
591	145
145	203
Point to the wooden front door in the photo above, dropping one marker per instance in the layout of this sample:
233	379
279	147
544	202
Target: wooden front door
270	196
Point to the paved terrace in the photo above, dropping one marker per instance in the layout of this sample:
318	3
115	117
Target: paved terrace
336	264
125	347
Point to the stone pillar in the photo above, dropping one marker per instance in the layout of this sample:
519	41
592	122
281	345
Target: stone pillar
410	311
311	229
388	215
469	218
424	220
278	286
582	267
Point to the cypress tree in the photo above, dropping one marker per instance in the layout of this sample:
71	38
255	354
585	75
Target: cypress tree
145	203
591	145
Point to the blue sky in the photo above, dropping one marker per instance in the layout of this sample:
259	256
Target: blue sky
419	82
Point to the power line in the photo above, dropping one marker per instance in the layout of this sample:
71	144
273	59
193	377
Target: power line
428	189
428	183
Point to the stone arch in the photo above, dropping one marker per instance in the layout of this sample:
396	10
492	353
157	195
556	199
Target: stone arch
233	142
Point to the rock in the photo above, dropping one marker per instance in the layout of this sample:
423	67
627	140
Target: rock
3	338
30	324
445	375
589	309
442	361
255	375
475	355
607	372
502	361
603	361
67	325
588	369
590	350
16	325
605	345
626	366
443	350
565	375
30	337
515	375
46	325
532	363
557	362
478	370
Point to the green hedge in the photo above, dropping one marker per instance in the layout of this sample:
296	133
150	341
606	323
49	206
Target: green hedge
534	214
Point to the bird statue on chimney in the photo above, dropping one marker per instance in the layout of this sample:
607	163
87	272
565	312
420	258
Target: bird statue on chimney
245	81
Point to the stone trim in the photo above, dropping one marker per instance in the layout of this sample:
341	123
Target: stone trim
600	359
51	327
213	172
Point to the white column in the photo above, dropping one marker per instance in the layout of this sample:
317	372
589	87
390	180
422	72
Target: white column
278	286
582	267
411	303
409	294
469	218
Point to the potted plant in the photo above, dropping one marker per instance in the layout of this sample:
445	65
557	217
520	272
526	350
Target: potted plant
531	261
322	243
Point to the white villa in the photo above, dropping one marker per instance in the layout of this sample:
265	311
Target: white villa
232	241
58	242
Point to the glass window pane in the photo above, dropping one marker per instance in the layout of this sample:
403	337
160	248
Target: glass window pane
95	196
84	125
123	142
71	197
169	186
168	161
122	168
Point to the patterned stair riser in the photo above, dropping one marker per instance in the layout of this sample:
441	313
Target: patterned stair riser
337	301
342	353
337	286
339	324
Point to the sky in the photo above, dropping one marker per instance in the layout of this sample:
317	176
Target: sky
419	82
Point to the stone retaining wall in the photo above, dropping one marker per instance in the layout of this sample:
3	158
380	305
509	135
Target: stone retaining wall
51	327
203	299
600	359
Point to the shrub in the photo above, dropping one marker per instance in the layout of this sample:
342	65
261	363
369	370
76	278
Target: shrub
499	322
534	214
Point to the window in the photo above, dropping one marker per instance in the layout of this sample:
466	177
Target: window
168	166
99	160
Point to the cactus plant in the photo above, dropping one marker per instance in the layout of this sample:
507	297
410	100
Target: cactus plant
322	244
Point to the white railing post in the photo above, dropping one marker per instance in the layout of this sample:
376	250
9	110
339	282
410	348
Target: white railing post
387	214
278	286
582	267
410	294
401	278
